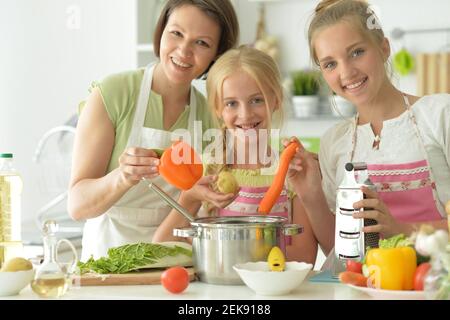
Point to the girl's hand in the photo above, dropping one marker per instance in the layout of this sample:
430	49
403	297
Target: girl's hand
304	172
387	225
202	191
137	163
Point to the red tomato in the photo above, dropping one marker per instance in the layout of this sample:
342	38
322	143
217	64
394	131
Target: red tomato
354	266
175	279
354	278
419	275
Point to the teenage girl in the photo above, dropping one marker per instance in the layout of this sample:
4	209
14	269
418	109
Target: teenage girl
404	139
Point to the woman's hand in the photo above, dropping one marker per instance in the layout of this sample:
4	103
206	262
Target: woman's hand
202	191
138	163
304	172
386	223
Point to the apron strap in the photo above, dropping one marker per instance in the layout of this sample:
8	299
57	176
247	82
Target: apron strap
141	110
141	107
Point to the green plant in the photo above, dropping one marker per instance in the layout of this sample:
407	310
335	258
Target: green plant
305	83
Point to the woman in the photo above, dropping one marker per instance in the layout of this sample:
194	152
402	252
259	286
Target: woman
128	117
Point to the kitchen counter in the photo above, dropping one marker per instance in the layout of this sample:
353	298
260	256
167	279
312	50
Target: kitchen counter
202	291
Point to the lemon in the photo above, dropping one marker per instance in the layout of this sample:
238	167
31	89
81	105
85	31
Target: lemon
226	183
16	264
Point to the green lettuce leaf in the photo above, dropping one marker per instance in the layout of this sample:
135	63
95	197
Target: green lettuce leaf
399	240
136	256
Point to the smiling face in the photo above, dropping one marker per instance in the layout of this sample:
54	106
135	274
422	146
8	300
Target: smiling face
352	65
244	106
188	44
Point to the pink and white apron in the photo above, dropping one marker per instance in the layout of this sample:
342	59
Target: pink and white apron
408	189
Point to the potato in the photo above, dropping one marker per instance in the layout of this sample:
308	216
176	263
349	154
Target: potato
226	183
16	264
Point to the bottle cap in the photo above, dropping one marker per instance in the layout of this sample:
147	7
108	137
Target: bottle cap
6	155
349	166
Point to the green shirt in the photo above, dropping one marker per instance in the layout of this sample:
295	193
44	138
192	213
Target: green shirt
120	93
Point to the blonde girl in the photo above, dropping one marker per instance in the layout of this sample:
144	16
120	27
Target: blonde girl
404	139
243	92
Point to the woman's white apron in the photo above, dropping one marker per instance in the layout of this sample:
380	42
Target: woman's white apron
135	217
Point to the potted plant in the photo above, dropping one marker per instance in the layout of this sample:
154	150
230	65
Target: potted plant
305	89
341	107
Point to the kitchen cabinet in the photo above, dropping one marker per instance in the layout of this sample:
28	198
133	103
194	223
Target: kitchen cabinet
309	130
309	127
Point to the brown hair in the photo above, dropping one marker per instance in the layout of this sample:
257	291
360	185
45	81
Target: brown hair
220	11
356	12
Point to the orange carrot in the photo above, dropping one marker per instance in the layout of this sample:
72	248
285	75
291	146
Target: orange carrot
354	278
275	189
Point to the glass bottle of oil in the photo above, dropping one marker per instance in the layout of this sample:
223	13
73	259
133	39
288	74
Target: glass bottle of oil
50	280
10	209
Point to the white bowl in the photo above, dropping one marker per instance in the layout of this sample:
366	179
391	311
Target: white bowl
11	283
258	277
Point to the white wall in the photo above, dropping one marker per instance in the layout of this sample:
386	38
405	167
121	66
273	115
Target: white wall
50	52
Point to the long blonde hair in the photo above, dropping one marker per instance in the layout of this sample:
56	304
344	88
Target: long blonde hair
356	12
258	65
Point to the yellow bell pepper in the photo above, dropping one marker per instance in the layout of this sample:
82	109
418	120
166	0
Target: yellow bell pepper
393	268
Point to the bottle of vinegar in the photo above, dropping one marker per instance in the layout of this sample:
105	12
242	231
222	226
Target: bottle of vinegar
10	209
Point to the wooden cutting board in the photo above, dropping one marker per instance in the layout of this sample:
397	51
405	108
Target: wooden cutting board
132	278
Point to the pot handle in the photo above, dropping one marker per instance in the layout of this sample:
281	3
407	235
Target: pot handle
184	233
292	229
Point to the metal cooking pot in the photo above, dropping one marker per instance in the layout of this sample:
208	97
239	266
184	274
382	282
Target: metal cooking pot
218	243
